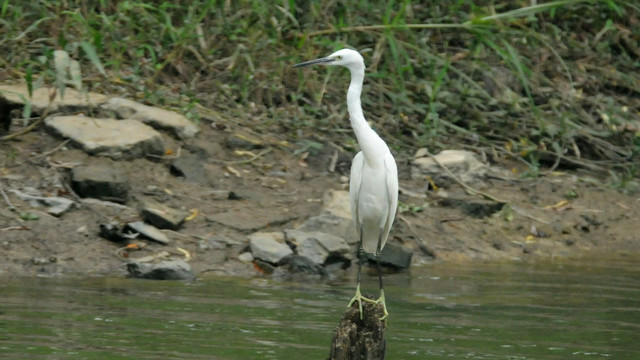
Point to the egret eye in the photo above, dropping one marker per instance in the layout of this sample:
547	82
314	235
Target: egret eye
338	57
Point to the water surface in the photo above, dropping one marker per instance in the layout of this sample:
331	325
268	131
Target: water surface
587	309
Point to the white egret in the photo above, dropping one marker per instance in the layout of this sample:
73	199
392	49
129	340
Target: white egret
373	186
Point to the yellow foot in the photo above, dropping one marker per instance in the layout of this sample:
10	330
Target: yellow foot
384	305
359	298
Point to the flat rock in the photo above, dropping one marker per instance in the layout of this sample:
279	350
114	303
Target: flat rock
248	219
101	182
56	205
394	255
73	100
176	124
165	270
191	168
269	247
149	232
463	164
162	216
317	246
127	139
331	224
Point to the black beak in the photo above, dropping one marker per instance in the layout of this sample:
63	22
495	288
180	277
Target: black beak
323	60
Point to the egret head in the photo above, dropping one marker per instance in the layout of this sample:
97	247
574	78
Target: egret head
348	58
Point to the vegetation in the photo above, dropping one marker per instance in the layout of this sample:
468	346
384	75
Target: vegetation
554	84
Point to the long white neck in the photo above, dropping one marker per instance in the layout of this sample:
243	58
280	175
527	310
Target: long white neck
372	146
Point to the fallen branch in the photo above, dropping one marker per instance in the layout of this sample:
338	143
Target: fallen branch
251	159
461	183
6	198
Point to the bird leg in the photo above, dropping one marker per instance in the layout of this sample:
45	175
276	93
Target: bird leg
358	296
381	299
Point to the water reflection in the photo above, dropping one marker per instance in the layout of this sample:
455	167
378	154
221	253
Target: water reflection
558	310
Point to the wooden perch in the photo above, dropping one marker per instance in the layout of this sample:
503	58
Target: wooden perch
356	339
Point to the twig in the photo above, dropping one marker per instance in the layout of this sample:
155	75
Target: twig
58	147
465	186
6	198
334	162
14	228
523	213
252	159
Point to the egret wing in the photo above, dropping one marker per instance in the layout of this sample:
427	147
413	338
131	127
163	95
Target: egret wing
391	170
355	181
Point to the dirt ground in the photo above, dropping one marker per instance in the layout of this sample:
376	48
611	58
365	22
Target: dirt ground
559	215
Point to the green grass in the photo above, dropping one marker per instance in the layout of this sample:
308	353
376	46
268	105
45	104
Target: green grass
554	84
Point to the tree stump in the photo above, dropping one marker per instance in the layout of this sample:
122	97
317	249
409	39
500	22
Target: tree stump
356	339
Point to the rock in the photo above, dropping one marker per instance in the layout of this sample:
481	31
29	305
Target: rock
149	232
246	257
295	263
162	216
165	270
127	139
338	203
317	246
44	261
394	255
6	109
477	208
191	168
73	100
463	164
220	194
269	247
249	219
112	232
331	224
176	124
100	182
57	205
360	335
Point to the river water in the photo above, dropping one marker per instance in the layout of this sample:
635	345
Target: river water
561	309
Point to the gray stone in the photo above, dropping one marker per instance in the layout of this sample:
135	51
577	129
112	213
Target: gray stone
100	182
295	263
191	168
113	232
317	246
269	247
177	124
165	270
477	208
463	164
149	232
246	257
127	139
56	205
72	101
394	255
162	216
331	224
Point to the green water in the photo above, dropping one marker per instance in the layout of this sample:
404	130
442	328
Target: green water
557	310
